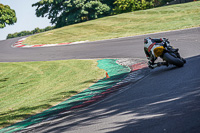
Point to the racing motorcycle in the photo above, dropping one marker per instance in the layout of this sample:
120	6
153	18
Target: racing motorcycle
155	48
170	55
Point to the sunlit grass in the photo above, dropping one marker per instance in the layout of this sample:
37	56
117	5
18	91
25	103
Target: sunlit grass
27	88
128	24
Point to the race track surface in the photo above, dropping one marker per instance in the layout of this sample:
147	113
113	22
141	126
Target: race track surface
165	101
186	40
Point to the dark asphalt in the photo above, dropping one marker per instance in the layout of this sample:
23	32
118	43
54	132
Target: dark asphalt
165	101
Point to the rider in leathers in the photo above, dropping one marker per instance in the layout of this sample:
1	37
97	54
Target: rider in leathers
149	44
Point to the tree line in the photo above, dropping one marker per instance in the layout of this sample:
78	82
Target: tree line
66	12
25	33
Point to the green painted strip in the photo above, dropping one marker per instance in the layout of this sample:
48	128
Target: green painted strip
116	73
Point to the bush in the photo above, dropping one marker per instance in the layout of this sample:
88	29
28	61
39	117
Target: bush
132	5
25	33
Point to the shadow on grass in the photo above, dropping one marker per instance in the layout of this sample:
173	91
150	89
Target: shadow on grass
12	116
90	81
67	93
3	80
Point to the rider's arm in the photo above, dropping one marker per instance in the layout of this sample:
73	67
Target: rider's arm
157	40
146	52
162	41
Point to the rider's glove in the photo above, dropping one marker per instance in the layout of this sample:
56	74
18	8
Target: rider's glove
166	42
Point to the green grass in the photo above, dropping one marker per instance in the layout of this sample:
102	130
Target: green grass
160	19
27	88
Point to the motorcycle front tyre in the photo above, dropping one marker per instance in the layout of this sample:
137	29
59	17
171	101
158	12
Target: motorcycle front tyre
173	60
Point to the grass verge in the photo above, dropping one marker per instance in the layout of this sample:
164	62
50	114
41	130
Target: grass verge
160	19
27	88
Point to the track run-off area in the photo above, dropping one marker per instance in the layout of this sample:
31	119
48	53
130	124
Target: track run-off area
167	99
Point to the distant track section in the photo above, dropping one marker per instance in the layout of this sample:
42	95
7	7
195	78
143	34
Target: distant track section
188	41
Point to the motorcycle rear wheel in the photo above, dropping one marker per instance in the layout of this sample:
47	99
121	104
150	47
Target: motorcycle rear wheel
173	60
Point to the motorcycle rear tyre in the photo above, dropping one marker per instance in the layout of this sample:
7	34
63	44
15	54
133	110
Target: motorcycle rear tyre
173	60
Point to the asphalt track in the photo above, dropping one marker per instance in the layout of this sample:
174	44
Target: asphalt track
186	40
167	100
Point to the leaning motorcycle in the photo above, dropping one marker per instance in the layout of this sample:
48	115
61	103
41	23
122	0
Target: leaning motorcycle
170	55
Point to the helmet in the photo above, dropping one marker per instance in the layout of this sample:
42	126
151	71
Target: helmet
146	40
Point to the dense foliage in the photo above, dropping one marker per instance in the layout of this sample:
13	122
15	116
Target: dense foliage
122	6
25	33
65	12
132	5
7	16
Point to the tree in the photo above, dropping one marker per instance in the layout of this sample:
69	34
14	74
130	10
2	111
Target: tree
132	5
9	36
49	28
65	12
95	9
24	33
7	16
36	30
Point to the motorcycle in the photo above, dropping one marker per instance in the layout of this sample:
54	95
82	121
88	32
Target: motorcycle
170	55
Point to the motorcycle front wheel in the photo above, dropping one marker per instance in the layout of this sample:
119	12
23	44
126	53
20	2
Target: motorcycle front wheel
173	60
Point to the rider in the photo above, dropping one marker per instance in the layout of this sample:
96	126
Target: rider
149	45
